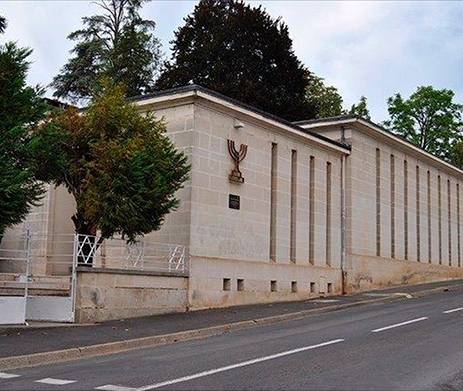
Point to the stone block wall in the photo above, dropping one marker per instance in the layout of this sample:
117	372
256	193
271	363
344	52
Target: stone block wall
218	231
229	244
401	233
392	240
106	294
219	282
51	231
368	273
404	222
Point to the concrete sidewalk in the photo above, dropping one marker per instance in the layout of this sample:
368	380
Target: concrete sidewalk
19	341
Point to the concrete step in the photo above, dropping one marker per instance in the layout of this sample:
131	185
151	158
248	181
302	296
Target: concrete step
51	279
33	292
34	285
13	284
9	276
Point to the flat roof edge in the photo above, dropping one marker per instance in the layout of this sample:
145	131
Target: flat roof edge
352	119
195	89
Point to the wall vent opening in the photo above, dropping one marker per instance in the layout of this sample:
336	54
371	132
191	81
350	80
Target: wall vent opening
240	284
273	286
312	287
294	286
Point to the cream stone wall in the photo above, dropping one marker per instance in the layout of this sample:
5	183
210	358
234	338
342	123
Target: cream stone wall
365	268
60	235
179	120
51	231
363	217
105	294
14	239
206	285
228	243
224	232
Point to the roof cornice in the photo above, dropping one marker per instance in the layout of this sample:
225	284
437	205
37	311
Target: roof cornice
195	91
367	124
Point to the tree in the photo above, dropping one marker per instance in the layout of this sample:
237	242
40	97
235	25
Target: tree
121	168
325	99
2	24
21	108
456	157
360	109
429	118
117	44
240	51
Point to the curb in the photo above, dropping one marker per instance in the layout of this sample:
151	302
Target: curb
71	354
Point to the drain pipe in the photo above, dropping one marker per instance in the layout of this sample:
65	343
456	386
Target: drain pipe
343	225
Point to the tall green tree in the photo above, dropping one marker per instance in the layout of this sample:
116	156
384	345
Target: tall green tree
429	118
117	44
119	165
21	108
325	99
240	51
360	109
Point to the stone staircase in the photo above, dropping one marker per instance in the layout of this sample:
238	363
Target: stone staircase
13	284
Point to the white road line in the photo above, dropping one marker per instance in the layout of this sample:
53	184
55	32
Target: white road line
454	310
399	324
110	387
55	382
238	365
4	375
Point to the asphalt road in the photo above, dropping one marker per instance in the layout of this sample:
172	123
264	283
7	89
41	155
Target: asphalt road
414	344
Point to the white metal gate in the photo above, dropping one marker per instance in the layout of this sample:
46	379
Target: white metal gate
28	295
45	287
13	303
56	306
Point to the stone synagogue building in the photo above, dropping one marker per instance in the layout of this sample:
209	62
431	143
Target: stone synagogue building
276	211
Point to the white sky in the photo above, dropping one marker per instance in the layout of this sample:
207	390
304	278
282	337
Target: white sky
363	48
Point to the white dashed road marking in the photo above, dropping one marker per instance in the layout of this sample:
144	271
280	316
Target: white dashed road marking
238	365
4	375
55	382
110	387
392	326
454	310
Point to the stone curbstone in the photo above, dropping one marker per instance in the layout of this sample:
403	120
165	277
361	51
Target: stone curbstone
50	357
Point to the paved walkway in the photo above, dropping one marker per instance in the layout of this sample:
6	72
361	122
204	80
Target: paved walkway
36	338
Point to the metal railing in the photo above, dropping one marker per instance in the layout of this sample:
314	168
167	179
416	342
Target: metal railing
39	271
118	254
18	256
57	255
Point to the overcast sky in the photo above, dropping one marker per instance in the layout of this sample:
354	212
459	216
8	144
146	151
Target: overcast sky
366	48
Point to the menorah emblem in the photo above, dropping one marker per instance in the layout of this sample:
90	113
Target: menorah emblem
237	157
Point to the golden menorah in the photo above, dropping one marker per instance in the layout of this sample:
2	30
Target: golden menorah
237	156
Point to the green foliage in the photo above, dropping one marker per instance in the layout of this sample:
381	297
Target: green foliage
21	107
118	164
117	44
456	156
360	109
325	99
429	118
240	51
